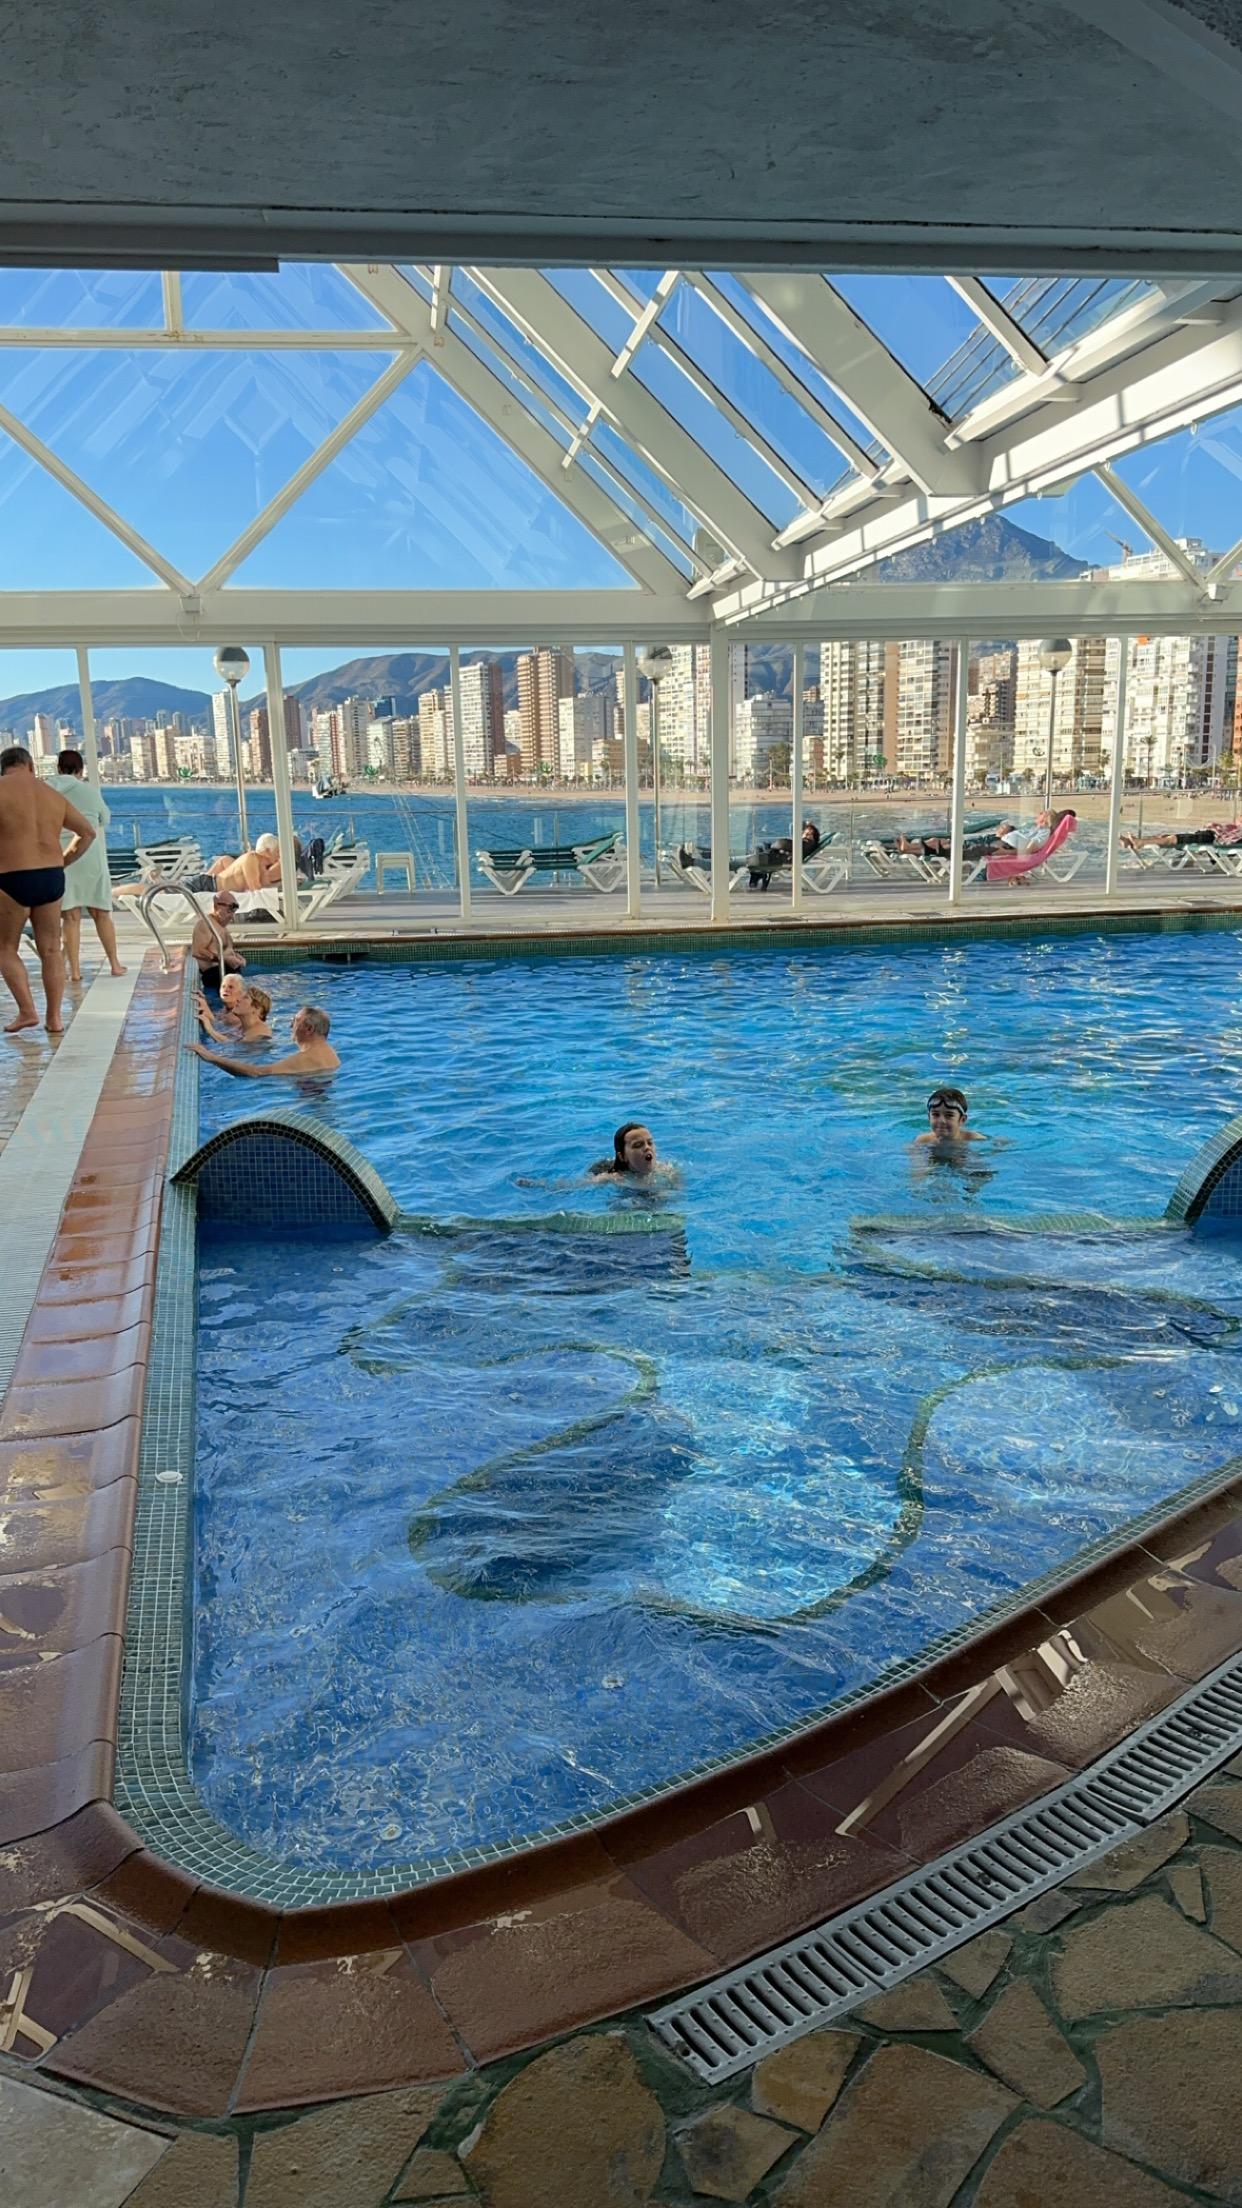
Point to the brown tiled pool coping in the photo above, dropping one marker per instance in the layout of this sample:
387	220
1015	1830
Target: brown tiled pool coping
119	1970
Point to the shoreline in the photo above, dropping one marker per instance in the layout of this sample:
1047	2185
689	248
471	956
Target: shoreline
1175	807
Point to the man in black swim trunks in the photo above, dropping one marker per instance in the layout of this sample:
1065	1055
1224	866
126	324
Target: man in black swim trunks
32	881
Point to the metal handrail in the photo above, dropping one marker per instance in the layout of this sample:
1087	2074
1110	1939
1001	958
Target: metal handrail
142	906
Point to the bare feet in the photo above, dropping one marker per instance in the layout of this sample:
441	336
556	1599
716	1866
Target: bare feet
55	1027
76	978
118	970
23	1020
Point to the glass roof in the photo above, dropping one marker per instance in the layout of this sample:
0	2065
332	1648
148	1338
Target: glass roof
417	428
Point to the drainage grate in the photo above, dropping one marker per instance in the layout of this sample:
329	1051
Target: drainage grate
726	2026
1171	1752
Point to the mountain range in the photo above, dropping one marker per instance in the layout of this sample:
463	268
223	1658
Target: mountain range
989	550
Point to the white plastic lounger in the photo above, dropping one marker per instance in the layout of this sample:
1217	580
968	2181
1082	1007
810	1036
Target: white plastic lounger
697	873
173	860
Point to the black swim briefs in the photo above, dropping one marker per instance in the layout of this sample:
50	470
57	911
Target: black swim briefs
32	886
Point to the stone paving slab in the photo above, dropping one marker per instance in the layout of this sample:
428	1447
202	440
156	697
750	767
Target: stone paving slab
55	2153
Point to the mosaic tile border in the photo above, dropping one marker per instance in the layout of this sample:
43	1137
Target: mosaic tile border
1204	1174
155	1788
460	947
299	1129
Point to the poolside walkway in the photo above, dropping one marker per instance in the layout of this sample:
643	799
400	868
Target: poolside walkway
1088	2050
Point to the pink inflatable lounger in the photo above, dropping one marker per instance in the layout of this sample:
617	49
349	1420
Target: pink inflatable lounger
1006	868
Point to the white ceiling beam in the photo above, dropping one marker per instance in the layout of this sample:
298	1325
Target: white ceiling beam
637	553
170	292
998	321
1138	606
650	313
367	619
322	457
862	370
847	445
1186	375
572	347
201	341
85	496
1152	529
1226	564
440	276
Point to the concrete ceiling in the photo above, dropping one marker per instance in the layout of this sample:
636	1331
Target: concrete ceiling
998	135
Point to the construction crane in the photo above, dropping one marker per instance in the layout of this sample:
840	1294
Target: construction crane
1126	549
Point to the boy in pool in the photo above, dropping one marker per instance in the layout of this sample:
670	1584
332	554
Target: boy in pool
946	1111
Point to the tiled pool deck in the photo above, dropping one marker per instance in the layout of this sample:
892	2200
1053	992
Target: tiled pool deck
422	2018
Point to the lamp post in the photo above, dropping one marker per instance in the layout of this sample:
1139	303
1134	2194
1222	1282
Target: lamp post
233	665
655	663
1053	656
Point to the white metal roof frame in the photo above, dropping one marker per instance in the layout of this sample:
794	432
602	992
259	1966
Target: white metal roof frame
1170	358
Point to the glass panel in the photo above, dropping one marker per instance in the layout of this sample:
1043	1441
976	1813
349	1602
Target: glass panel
714	348
510	340
1191	482
799	363
70	298
651	488
427	496
597	307
40	707
661	376
187	446
1056	310
639	514
675	715
165	756
1051	539
49	540
921	320
545	759
303	295
493	359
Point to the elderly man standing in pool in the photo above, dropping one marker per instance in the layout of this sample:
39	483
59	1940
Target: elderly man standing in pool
313	1054
32	882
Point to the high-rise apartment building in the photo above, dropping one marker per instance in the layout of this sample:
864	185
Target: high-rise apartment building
222	729
164	753
258	746
43	743
852	691
141	758
1179	689
762	727
482	716
544	677
584	730
1078	729
435	735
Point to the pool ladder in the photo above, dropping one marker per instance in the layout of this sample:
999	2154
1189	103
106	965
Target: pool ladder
142	907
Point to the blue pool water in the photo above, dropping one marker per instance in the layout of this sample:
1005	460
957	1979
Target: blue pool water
506	1519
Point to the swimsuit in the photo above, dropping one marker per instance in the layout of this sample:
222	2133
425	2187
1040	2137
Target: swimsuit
32	886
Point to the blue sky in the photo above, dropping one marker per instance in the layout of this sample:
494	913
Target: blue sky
189	445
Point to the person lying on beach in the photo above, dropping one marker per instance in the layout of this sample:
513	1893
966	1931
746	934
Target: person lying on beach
244	1015
946	1112
313	1053
1223	832
973	847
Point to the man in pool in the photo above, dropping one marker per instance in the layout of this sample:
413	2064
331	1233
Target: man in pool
313	1055
946	1112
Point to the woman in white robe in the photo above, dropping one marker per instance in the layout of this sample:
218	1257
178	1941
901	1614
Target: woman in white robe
87	884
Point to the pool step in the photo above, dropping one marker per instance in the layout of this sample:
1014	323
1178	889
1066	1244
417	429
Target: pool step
724	2027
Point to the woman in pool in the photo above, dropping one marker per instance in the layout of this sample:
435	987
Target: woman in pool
244	1017
947	1129
633	1155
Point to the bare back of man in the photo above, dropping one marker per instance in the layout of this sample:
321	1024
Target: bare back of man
32	882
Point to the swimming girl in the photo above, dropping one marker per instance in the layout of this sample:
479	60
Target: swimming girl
633	1155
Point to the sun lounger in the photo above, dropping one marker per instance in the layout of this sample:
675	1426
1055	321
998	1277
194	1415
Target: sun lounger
696	871
342	873
601	863
1010	866
173	860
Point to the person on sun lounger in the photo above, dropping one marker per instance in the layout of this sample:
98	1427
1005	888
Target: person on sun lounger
1223	832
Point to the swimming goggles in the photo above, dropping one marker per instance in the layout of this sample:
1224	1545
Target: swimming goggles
948	1103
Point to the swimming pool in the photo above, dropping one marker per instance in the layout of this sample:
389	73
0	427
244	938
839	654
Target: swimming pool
556	1495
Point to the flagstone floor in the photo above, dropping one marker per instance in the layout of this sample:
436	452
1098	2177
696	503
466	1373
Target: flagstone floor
1086	2051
